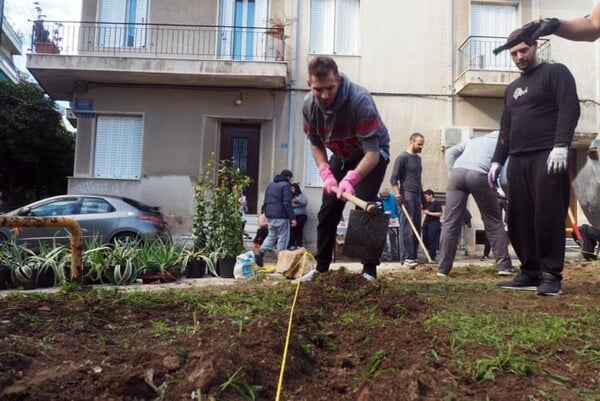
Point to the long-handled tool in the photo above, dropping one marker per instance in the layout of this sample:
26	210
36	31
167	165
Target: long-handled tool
412	225
367	229
575	227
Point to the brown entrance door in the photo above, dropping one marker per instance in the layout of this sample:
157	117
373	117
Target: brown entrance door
240	143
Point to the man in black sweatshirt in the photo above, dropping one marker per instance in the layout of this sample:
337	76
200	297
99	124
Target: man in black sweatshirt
541	109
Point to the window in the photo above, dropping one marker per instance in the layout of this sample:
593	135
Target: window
118	150
122	23
61	207
94	205
238	39
490	25
334	26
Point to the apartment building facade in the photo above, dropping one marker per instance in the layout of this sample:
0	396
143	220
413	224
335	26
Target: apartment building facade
10	46
157	87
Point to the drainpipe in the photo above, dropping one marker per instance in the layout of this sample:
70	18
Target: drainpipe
292	96
450	91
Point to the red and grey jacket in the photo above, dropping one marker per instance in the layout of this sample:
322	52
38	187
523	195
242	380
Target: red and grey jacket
351	127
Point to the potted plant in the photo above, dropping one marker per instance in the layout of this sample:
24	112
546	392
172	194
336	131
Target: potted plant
120	267
160	261
44	41
95	260
50	261
227	226
217	223
5	264
198	262
23	268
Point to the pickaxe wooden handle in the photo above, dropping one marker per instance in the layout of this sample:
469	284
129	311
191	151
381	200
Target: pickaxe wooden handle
369	207
412	225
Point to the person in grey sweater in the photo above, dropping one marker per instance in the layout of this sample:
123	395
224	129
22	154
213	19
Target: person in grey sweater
299	203
469	163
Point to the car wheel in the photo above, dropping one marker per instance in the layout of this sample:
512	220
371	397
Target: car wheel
125	239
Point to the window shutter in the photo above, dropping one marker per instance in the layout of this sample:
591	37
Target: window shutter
261	20
322	26
313	179
225	36
346	26
118	150
112	30
141	17
491	20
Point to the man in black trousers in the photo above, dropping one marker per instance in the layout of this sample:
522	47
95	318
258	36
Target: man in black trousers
541	109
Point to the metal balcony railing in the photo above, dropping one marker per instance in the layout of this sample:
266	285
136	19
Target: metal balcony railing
477	53
208	42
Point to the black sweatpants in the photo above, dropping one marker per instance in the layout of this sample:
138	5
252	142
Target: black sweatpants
537	210
332	208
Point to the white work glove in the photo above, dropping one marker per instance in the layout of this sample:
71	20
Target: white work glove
493	174
557	160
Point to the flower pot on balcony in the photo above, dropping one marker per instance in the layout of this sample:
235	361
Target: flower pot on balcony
46	48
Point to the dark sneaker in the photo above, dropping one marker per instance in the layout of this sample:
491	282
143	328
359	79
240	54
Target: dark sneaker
507	272
520	282
550	285
258	258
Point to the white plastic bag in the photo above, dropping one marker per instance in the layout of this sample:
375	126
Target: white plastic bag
243	265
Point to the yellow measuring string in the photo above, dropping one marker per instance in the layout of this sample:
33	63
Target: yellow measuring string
302	260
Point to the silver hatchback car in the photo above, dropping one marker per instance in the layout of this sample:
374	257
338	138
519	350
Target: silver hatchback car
111	218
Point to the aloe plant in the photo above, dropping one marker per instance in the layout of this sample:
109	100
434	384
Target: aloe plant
52	257
95	258
209	258
18	259
120	260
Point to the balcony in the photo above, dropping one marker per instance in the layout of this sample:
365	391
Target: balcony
72	54
10	40
481	73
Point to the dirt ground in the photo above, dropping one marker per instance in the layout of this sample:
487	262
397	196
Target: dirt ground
350	340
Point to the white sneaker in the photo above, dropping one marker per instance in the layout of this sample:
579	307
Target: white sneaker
440	274
368	277
310	275
410	263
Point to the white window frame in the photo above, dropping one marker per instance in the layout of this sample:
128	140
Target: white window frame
114	16
311	171
334	27
227	36
491	20
118	147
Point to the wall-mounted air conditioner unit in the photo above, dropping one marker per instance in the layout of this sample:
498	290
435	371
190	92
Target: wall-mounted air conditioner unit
453	135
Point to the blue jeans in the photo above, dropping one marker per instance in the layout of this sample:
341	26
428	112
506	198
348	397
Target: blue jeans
279	233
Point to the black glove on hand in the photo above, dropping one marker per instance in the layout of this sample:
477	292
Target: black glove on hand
543	27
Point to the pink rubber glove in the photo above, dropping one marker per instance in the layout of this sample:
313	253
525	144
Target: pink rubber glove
327	177
348	182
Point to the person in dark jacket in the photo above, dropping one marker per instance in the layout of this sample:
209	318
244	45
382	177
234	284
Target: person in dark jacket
541	109
279	213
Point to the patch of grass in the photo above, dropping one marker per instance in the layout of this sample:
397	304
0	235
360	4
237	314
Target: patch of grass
238	382
349	318
323	340
373	367
487	368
